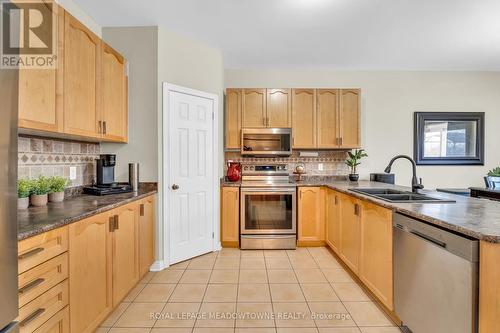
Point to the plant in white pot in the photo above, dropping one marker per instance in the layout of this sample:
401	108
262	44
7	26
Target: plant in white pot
57	185
23	193
353	161
41	188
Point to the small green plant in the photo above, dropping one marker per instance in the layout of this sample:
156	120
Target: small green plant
41	186
354	159
57	184
24	188
494	172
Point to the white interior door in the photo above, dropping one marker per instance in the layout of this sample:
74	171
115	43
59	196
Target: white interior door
191	185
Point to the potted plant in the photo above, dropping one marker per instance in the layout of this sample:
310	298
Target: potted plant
353	161
57	185
23	193
41	188
492	180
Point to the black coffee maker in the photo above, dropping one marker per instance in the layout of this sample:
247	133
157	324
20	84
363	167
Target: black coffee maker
106	170
105	182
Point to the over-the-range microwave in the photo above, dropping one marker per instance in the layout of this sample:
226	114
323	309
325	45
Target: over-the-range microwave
266	142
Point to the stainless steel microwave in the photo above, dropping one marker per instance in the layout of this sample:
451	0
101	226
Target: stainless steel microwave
266	141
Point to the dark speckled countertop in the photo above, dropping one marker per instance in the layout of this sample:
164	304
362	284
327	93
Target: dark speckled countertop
37	220
476	218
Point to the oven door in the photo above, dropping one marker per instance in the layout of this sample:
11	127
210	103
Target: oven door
268	211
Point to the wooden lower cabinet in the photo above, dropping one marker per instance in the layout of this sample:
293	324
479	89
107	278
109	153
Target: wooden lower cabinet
349	231
59	323
489	287
147	228
90	272
125	251
230	216
310	216
375	264
332	221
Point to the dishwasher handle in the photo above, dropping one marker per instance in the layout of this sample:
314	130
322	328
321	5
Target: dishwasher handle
429	239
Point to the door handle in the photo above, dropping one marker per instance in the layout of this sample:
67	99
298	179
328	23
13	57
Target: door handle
30	253
104	127
175	187
141	210
32	317
99	127
31	285
117	222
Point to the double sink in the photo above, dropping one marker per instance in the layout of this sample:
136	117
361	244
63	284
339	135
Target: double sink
398	196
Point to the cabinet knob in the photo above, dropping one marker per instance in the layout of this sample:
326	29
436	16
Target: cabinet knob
175	187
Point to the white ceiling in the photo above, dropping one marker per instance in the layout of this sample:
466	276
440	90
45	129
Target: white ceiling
338	34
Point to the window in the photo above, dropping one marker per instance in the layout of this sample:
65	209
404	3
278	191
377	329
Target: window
449	138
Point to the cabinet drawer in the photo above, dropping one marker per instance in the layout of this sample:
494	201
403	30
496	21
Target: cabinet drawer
59	323
41	278
38	249
42	308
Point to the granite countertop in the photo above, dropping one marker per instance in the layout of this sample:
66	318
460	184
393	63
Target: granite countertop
472	217
37	220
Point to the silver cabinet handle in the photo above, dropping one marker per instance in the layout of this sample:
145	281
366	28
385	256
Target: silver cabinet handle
31	285
32	317
175	187
30	253
104	127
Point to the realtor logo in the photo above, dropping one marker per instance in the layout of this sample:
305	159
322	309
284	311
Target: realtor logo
29	31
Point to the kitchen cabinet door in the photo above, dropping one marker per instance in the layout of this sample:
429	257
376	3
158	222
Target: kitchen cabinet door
310	221
233	118
333	219
230	216
125	251
90	274
349	118
349	231
40	92
375	264
147	227
114	119
304	118
327	115
82	70
279	108
254	108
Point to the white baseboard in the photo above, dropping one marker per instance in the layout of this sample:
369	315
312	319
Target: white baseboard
157	266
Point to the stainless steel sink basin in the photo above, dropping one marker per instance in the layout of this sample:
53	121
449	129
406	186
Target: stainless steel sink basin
399	196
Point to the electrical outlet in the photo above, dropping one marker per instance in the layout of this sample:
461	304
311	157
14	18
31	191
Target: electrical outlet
320	167
72	173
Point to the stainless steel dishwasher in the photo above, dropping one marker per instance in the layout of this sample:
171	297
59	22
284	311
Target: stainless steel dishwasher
435	278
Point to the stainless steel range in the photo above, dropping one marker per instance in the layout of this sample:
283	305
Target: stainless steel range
268	208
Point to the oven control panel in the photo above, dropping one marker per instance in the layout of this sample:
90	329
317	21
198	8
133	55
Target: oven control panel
264	169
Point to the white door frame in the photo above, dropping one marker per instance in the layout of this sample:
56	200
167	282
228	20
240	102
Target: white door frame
165	175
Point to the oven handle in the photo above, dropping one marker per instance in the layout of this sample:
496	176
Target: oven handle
267	190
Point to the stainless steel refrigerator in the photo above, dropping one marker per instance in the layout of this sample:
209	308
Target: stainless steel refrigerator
8	200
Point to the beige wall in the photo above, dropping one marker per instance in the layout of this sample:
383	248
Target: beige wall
139	45
189	63
389	100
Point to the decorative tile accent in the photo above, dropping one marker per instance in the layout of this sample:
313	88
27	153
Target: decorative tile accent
332	160
53	157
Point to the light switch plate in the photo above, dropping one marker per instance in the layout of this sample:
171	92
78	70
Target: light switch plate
320	166
72	173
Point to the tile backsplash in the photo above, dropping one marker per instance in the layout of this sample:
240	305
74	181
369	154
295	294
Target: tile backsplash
54	157
332	161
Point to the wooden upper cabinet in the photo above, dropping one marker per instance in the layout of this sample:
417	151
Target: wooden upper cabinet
230	216
279	108
90	275
82	69
333	219
114	119
375	264
146	234
40	91
125	251
233	118
304	118
254	108
349	111
349	231
328	118
310	222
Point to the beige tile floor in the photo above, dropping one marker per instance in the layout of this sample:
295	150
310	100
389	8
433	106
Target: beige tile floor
300	291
